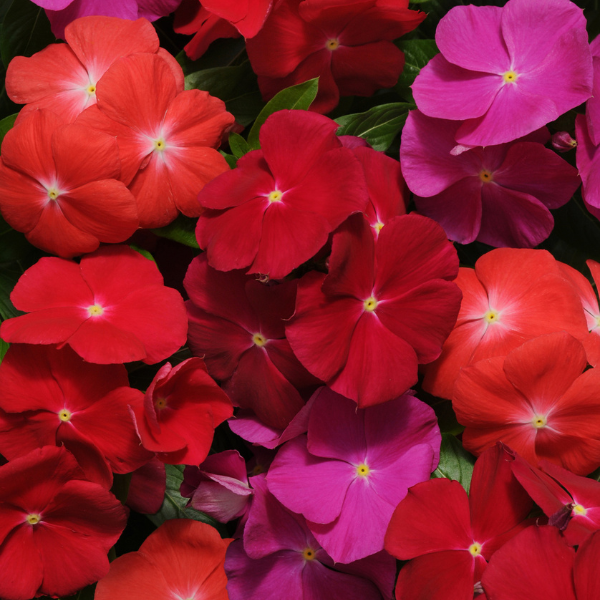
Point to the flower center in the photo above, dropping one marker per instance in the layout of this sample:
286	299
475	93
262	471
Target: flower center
510	76
275	196
475	549
579	510
308	554
259	340
33	519
64	415
95	310
53	193
485	176
91	89
332	44
363	470
378	227
370	304
160	144
539	421
491	316
160	403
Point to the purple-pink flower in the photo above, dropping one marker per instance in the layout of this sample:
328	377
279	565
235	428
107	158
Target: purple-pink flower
588	163
506	71
353	468
499	195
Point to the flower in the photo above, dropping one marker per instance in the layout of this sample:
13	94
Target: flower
181	409
511	296
354	466
183	558
498	195
384	307
506	71
525	401
110	308
347	45
57	528
53	198
448	536
588	163
147	488
592	106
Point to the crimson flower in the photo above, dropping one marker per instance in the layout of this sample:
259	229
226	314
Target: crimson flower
276	209
448	536
385	307
57	528
110	308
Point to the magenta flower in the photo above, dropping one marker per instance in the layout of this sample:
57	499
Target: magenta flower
352	469
499	195
506	71
588	163
592	107
279	553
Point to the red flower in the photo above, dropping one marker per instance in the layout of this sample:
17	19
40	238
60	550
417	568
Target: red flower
525	401
510	297
52	175
181	559
348	45
278	207
111	308
166	138
449	537
181	409
56	528
385	307
53	397
63	77
237	325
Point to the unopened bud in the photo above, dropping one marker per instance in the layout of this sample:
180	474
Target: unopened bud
563	142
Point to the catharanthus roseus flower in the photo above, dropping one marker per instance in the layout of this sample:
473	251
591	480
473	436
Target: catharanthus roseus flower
385	307
181	409
57	528
511	296
183	558
53	397
63	77
506	71
588	163
110	308
52	175
498	195
592	106
166	138
278	552
540	410
147	488
276	209
347	45
354	466
448	536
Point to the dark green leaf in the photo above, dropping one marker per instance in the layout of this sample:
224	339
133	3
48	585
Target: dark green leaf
417	53
595	475
455	462
182	230
231	160
143	252
297	97
221	53
239	146
6	125
379	126
8	281
446	418
4	346
13	245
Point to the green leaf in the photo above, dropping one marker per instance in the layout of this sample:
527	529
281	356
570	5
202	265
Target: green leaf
6	125
8	281
455	462
25	30
379	126
297	97
447	418
4	346
182	230
239	146
417	53
143	252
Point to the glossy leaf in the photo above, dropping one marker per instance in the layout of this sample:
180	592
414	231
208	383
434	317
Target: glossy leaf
239	146
182	230
6	125
455	462
417	53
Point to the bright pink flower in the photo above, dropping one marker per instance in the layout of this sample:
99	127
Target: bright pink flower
347	45
237	325
276	209
592	106
279	552
57	528
110	308
63	77
181	409
506	71
52	174
385	307
588	163
53	397
498	195
166	138
448	536
510	297
354	466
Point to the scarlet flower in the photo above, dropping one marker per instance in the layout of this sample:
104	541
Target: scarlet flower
385	307
52	174
348	45
276	209
167	139
511	296
237	325
181	409
183	558
111	308
448	536
57	528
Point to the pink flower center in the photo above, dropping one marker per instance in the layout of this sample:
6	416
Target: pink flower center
510	76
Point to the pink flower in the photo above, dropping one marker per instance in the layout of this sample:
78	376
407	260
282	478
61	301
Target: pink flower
506	71
588	163
499	195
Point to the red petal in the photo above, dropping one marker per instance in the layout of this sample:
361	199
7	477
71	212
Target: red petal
585	569
147	488
21	564
49	326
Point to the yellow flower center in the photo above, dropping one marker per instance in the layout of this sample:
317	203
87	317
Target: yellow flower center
475	549
259	340
275	196
64	415
492	316
539	421
308	554
579	510
33	519
370	304
510	76
53	193
485	176
332	44
91	89
363	470
160	403
95	310
378	227
159	144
